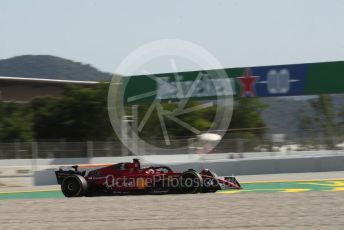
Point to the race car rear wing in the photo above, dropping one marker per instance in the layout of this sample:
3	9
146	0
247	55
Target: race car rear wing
61	174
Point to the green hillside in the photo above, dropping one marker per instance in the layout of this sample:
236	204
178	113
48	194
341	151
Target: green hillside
51	67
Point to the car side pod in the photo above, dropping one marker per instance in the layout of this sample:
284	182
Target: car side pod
74	186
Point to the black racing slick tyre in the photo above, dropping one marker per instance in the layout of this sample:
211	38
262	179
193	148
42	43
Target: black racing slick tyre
74	186
190	182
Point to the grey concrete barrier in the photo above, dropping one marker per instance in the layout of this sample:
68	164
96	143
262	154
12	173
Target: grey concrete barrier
268	166
45	177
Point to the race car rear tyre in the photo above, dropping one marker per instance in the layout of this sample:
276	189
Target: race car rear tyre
190	182
74	186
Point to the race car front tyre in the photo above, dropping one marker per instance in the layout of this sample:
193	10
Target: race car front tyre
190	182
74	186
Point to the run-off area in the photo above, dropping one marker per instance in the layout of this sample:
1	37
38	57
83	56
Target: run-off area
278	205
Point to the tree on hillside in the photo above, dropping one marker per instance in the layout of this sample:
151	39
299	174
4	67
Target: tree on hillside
341	123
81	114
341	114
246	117
247	126
15	122
200	119
323	123
247	114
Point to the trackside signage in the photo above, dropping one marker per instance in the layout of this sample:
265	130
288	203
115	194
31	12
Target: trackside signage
265	81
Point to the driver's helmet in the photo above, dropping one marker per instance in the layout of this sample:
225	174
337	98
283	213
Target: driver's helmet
137	164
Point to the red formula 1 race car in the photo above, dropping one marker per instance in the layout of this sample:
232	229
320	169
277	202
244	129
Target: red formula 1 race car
130	178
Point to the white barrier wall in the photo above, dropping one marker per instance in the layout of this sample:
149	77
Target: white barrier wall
251	164
237	166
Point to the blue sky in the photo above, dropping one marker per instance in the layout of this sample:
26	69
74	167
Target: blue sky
237	32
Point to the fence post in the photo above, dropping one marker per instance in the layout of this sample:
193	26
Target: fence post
124	136
89	149
239	145
34	150
108	148
134	137
17	149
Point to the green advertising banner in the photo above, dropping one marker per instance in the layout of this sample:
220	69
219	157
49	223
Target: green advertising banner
264	81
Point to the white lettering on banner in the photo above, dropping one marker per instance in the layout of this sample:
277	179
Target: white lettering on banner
201	87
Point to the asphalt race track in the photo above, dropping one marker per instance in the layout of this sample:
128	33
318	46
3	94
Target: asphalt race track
279	205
